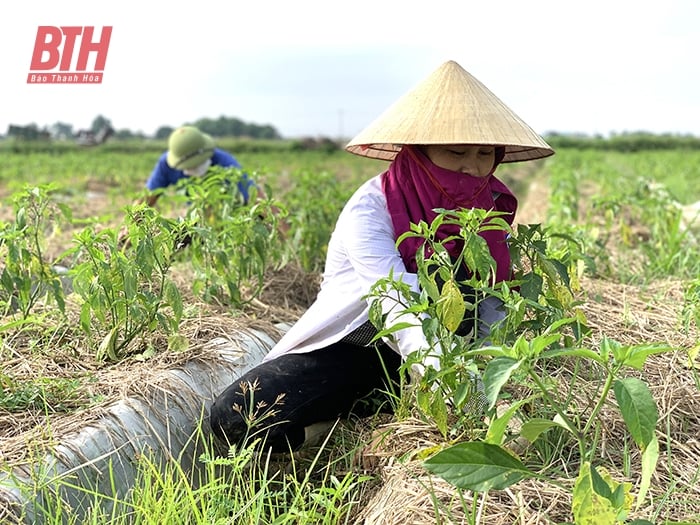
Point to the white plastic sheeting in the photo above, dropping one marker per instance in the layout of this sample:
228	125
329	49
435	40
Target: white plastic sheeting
102	457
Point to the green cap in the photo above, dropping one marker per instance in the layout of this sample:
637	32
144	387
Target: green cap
188	148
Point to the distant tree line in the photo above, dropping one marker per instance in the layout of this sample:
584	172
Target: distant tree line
623	142
233	127
227	127
31	132
220	127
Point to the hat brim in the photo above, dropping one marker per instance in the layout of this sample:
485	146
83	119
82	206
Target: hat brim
449	107
195	158
388	151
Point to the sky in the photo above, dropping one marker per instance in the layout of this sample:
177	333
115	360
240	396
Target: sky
326	68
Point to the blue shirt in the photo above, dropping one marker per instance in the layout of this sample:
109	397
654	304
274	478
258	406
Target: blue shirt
163	175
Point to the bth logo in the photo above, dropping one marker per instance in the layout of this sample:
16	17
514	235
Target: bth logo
56	47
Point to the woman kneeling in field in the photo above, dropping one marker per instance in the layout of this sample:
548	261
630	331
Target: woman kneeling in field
445	140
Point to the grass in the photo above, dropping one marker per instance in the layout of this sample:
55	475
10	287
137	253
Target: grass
240	486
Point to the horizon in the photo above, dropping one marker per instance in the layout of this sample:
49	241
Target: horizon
550	133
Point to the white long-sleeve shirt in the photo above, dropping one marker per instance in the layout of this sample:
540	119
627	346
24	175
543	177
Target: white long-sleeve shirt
362	250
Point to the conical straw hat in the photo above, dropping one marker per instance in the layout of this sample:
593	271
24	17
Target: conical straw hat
449	107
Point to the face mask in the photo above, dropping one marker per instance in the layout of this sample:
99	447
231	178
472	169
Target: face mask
198	171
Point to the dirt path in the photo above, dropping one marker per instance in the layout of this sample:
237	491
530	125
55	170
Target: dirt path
529	183
533	208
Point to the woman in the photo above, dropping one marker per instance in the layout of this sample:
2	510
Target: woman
444	139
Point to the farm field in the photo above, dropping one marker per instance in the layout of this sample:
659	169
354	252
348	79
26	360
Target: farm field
620	225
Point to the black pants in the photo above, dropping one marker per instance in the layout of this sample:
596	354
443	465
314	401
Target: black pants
278	398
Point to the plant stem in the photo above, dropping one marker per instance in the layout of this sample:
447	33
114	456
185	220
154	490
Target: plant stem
562	413
609	378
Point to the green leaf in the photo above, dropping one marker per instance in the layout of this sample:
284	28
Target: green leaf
21	218
611	347
85	318
178	343
562	271
423	400
589	508
650	457
477	466
619	497
692	356
531	286
559	420
451	307
107	347
174	299
573	352
496	374
637	355
460	393
638	409
499	425
438	411
600	485
428	284
541	342
532	428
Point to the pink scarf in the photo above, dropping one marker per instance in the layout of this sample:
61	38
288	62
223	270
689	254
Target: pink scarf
414	187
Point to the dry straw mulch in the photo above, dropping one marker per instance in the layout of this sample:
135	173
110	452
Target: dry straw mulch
405	492
629	315
409	494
